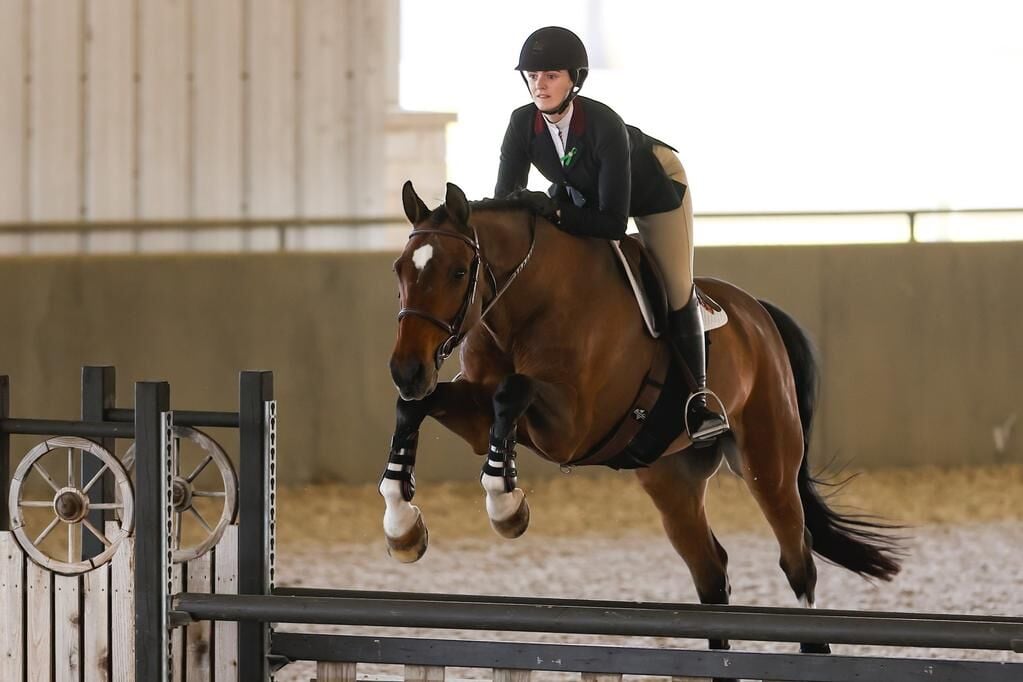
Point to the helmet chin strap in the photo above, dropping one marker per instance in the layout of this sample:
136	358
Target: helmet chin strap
564	105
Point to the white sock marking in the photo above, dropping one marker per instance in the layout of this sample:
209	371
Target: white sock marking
400	516
500	505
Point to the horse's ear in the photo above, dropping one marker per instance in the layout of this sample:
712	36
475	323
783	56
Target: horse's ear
415	209
456	204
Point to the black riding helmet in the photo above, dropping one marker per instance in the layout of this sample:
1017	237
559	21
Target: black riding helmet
553	48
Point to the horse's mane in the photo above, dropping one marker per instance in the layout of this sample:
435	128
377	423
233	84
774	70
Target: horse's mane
440	214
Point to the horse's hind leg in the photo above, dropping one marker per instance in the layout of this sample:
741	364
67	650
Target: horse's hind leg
677	484
772	458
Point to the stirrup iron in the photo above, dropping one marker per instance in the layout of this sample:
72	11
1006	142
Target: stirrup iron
711	432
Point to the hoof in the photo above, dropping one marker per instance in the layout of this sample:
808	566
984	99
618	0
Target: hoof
516	524
411	546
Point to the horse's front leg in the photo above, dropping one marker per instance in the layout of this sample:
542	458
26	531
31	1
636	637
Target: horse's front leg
506	502
461	406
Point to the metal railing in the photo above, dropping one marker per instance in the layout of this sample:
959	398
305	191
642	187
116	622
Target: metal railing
284	223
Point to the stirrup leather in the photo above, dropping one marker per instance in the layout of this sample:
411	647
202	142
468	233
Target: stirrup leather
712	431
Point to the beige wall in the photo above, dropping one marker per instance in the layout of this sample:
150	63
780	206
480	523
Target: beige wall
175	109
920	345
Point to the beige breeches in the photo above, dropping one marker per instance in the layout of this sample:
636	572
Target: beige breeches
669	235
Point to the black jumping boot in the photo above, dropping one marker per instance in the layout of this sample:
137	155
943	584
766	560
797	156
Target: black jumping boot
685	327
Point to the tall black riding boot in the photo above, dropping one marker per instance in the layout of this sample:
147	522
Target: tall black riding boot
686	333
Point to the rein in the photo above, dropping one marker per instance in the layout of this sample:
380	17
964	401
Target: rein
454	329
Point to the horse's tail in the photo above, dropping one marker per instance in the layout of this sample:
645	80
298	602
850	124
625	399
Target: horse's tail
849	540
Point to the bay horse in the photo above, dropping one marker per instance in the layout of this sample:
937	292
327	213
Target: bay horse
553	351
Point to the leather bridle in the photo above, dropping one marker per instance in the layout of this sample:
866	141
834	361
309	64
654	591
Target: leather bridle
457	328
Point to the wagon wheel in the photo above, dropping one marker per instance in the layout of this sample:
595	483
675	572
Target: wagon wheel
184	493
71	505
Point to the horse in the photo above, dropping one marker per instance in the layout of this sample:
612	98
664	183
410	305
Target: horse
553	351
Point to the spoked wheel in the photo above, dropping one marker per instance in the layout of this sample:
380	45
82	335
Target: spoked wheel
70	505
185	492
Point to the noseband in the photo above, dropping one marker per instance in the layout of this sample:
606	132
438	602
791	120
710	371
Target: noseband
454	328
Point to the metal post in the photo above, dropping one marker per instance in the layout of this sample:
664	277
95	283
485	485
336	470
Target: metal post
98	395
254	532
5	453
152	560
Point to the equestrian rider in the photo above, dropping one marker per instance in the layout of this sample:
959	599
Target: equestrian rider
603	172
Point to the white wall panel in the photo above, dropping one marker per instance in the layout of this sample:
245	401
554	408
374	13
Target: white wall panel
271	107
55	64
13	180
164	119
217	107
112	131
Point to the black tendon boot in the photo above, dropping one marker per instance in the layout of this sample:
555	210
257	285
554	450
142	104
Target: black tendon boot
686	334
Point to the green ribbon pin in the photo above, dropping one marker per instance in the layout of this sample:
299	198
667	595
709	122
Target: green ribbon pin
566	160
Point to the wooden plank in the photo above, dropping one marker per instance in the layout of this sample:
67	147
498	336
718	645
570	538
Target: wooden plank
178	634
12	596
271	102
56	119
164	115
110	120
601	677
39	653
67	622
335	672
197	635
96	625
225	646
13	124
424	673
505	675
122	612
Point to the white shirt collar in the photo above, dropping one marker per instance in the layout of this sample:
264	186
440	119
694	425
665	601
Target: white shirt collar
559	130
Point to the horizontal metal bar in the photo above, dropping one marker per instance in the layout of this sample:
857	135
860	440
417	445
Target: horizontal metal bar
57	427
500	599
709	623
191	224
181	417
633	661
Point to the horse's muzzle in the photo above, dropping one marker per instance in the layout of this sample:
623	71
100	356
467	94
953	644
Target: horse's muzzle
413	379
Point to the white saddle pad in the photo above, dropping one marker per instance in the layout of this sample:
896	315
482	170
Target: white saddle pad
714	315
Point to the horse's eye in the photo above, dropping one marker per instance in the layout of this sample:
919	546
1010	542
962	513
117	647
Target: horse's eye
459	274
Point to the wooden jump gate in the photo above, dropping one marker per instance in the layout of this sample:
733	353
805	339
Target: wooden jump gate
129	602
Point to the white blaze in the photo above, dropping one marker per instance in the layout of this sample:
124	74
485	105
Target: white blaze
422	256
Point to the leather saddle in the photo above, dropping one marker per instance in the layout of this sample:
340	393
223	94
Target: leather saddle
647	283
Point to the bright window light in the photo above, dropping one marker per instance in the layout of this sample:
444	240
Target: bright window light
788	106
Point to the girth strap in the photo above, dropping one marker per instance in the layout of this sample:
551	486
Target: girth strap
635	419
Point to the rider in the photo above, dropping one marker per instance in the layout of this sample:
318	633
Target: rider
603	172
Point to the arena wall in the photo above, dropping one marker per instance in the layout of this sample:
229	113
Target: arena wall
919	344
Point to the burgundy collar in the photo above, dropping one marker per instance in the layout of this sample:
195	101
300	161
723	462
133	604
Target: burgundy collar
575	127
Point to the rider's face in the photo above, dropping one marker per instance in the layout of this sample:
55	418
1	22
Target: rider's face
548	88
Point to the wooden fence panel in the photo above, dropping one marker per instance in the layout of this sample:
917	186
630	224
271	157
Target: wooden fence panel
96	625
40	624
225	635
12	594
67	623
122	612
197	635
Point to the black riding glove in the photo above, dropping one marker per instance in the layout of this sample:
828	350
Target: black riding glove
538	202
